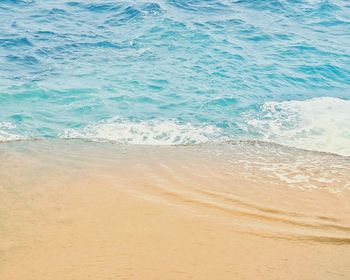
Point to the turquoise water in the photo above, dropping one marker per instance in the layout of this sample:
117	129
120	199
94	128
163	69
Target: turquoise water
176	71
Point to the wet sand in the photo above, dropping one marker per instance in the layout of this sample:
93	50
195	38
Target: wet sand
74	210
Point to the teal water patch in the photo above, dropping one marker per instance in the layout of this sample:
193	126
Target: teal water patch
68	68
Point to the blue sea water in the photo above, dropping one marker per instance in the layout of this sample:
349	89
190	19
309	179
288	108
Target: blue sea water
177	71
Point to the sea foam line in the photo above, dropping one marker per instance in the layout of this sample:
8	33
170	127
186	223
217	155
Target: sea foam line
6	135
150	132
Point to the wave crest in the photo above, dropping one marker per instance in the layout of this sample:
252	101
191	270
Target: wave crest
319	124
6	133
150	132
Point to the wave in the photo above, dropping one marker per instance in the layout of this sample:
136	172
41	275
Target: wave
209	6
319	124
150	132
120	13
15	42
6	134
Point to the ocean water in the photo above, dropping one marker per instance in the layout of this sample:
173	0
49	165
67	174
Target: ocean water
170	72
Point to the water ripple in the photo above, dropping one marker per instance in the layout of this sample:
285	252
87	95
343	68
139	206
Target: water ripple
196	62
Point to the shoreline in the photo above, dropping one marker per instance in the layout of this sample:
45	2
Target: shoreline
83	210
247	141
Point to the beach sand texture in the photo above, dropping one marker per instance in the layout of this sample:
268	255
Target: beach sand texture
74	210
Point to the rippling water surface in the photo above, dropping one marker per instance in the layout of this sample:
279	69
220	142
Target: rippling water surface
177	72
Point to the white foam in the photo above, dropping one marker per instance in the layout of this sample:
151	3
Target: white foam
6	134
320	124
151	132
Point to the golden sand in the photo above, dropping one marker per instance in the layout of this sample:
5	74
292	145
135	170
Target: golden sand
72	211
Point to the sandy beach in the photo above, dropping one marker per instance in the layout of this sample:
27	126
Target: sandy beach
111	212
175	139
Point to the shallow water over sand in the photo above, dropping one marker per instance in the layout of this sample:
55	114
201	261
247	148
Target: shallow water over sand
111	204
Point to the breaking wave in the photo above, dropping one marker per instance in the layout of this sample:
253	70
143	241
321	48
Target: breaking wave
319	124
151	132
